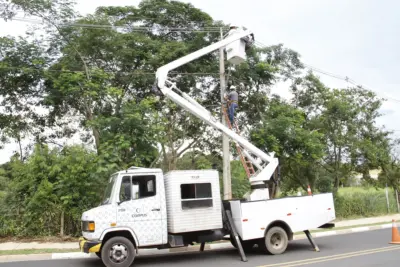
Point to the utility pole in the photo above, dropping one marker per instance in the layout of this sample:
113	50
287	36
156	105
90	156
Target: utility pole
225	138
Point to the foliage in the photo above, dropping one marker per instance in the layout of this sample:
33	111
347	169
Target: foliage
194	161
363	202
21	72
346	118
285	130
240	182
50	185
96	81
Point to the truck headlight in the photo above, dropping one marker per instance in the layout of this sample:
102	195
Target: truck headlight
88	226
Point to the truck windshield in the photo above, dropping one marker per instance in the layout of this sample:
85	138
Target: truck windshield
109	189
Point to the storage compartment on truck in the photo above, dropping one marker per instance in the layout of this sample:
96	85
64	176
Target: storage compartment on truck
193	200
251	218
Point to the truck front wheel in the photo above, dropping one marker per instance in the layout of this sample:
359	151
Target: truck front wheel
275	241
118	251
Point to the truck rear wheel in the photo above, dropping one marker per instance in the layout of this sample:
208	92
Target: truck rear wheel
275	241
118	251
247	245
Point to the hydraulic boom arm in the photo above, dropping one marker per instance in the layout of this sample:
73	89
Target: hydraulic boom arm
259	188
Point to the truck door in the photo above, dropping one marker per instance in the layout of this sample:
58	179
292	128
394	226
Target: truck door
140	208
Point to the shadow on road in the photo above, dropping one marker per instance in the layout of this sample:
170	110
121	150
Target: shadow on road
214	257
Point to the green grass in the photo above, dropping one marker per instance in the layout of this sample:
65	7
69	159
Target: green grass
361	202
35	251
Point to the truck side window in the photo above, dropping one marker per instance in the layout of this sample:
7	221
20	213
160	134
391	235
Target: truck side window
143	186
125	193
196	196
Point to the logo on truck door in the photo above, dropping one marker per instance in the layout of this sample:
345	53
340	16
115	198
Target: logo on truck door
137	213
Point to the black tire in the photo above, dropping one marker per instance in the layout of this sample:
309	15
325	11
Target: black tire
275	241
118	248
98	254
232	239
247	245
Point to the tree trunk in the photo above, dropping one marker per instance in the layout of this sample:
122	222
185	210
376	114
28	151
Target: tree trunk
62	224
172	163
95	131
96	136
20	149
337	167
165	156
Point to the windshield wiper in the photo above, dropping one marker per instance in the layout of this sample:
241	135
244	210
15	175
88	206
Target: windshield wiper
119	203
105	201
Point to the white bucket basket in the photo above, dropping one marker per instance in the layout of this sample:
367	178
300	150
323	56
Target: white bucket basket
235	51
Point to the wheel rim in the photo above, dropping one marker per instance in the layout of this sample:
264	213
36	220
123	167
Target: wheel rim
118	253
276	241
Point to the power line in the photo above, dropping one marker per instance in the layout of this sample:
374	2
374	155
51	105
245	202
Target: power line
154	20
336	76
111	72
204	29
132	28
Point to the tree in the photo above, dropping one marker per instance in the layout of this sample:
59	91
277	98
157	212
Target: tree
285	130
48	193
94	72
118	71
390	166
21	73
240	182
346	118
194	160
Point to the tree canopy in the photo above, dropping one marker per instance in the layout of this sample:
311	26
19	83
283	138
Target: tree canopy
91	76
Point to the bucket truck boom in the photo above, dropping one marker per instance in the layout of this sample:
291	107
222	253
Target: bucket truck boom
235	44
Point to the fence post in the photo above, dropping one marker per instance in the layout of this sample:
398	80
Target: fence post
387	198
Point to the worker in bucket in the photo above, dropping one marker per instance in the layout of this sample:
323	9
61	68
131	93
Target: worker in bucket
232	99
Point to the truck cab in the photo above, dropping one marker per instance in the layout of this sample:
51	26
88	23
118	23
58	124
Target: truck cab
133	207
144	208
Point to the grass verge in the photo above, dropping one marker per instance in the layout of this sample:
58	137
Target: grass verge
35	251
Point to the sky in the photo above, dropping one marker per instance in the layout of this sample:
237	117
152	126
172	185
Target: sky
358	39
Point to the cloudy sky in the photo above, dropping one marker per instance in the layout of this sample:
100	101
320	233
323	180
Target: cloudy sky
354	38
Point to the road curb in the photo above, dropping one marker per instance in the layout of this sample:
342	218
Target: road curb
29	257
345	231
71	255
149	252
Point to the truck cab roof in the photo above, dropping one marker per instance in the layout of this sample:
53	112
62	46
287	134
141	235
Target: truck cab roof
135	169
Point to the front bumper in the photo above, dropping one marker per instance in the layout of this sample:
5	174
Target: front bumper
88	246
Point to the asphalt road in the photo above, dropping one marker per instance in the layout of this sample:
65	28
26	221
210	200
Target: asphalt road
364	249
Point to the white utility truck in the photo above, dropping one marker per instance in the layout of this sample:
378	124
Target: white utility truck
145	208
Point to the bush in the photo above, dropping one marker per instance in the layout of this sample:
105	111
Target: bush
363	202
51	186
